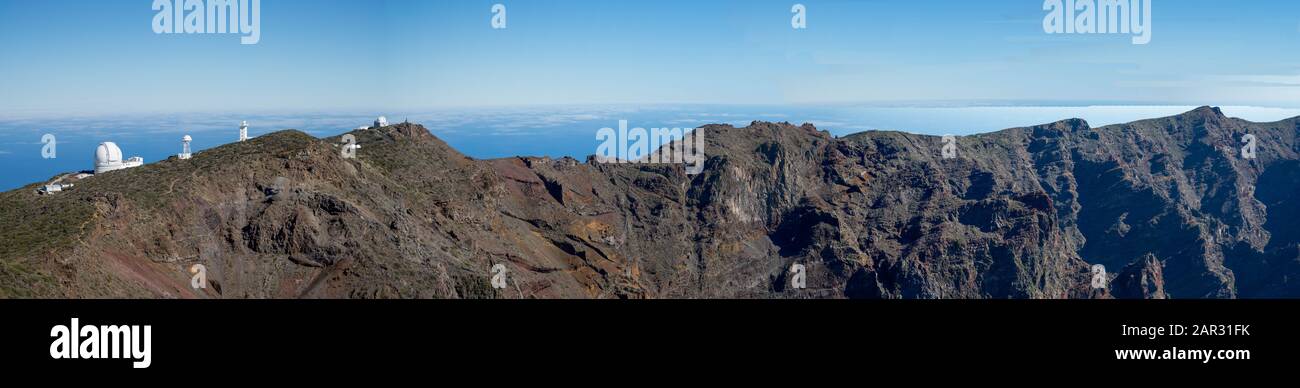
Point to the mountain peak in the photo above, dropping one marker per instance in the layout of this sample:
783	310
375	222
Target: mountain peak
411	130
399	131
1207	111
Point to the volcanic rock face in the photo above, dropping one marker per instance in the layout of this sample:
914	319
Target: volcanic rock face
1169	206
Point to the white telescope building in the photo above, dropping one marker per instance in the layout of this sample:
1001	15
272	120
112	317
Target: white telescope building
108	157
185	148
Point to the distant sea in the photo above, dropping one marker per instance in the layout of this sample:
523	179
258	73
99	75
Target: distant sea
486	133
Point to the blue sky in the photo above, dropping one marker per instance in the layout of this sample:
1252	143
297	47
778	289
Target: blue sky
74	57
92	71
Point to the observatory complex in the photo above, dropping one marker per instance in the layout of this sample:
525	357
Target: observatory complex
379	122
108	157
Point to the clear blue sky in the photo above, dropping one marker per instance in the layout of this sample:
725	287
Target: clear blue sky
88	57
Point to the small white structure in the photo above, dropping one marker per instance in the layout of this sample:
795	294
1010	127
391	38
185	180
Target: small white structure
108	157
243	130
55	187
185	148
381	122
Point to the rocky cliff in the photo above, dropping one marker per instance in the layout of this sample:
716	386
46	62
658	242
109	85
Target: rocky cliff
1169	206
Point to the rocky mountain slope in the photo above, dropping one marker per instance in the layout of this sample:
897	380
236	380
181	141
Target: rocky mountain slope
1169	206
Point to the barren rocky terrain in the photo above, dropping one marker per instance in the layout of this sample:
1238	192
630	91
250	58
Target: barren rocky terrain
1169	206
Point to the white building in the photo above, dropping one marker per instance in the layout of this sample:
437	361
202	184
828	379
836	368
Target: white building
55	187
381	122
243	130
108	157
185	148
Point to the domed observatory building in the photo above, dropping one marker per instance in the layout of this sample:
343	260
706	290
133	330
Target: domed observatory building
108	157
381	122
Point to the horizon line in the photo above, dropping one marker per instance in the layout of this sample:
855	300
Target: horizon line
33	114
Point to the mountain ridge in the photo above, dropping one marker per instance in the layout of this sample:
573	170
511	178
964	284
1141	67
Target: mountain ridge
1019	213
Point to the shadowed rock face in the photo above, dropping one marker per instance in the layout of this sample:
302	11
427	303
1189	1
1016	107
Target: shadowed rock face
1168	205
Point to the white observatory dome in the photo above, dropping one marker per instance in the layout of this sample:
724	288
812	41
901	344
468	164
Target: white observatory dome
187	139
108	157
381	122
107	154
